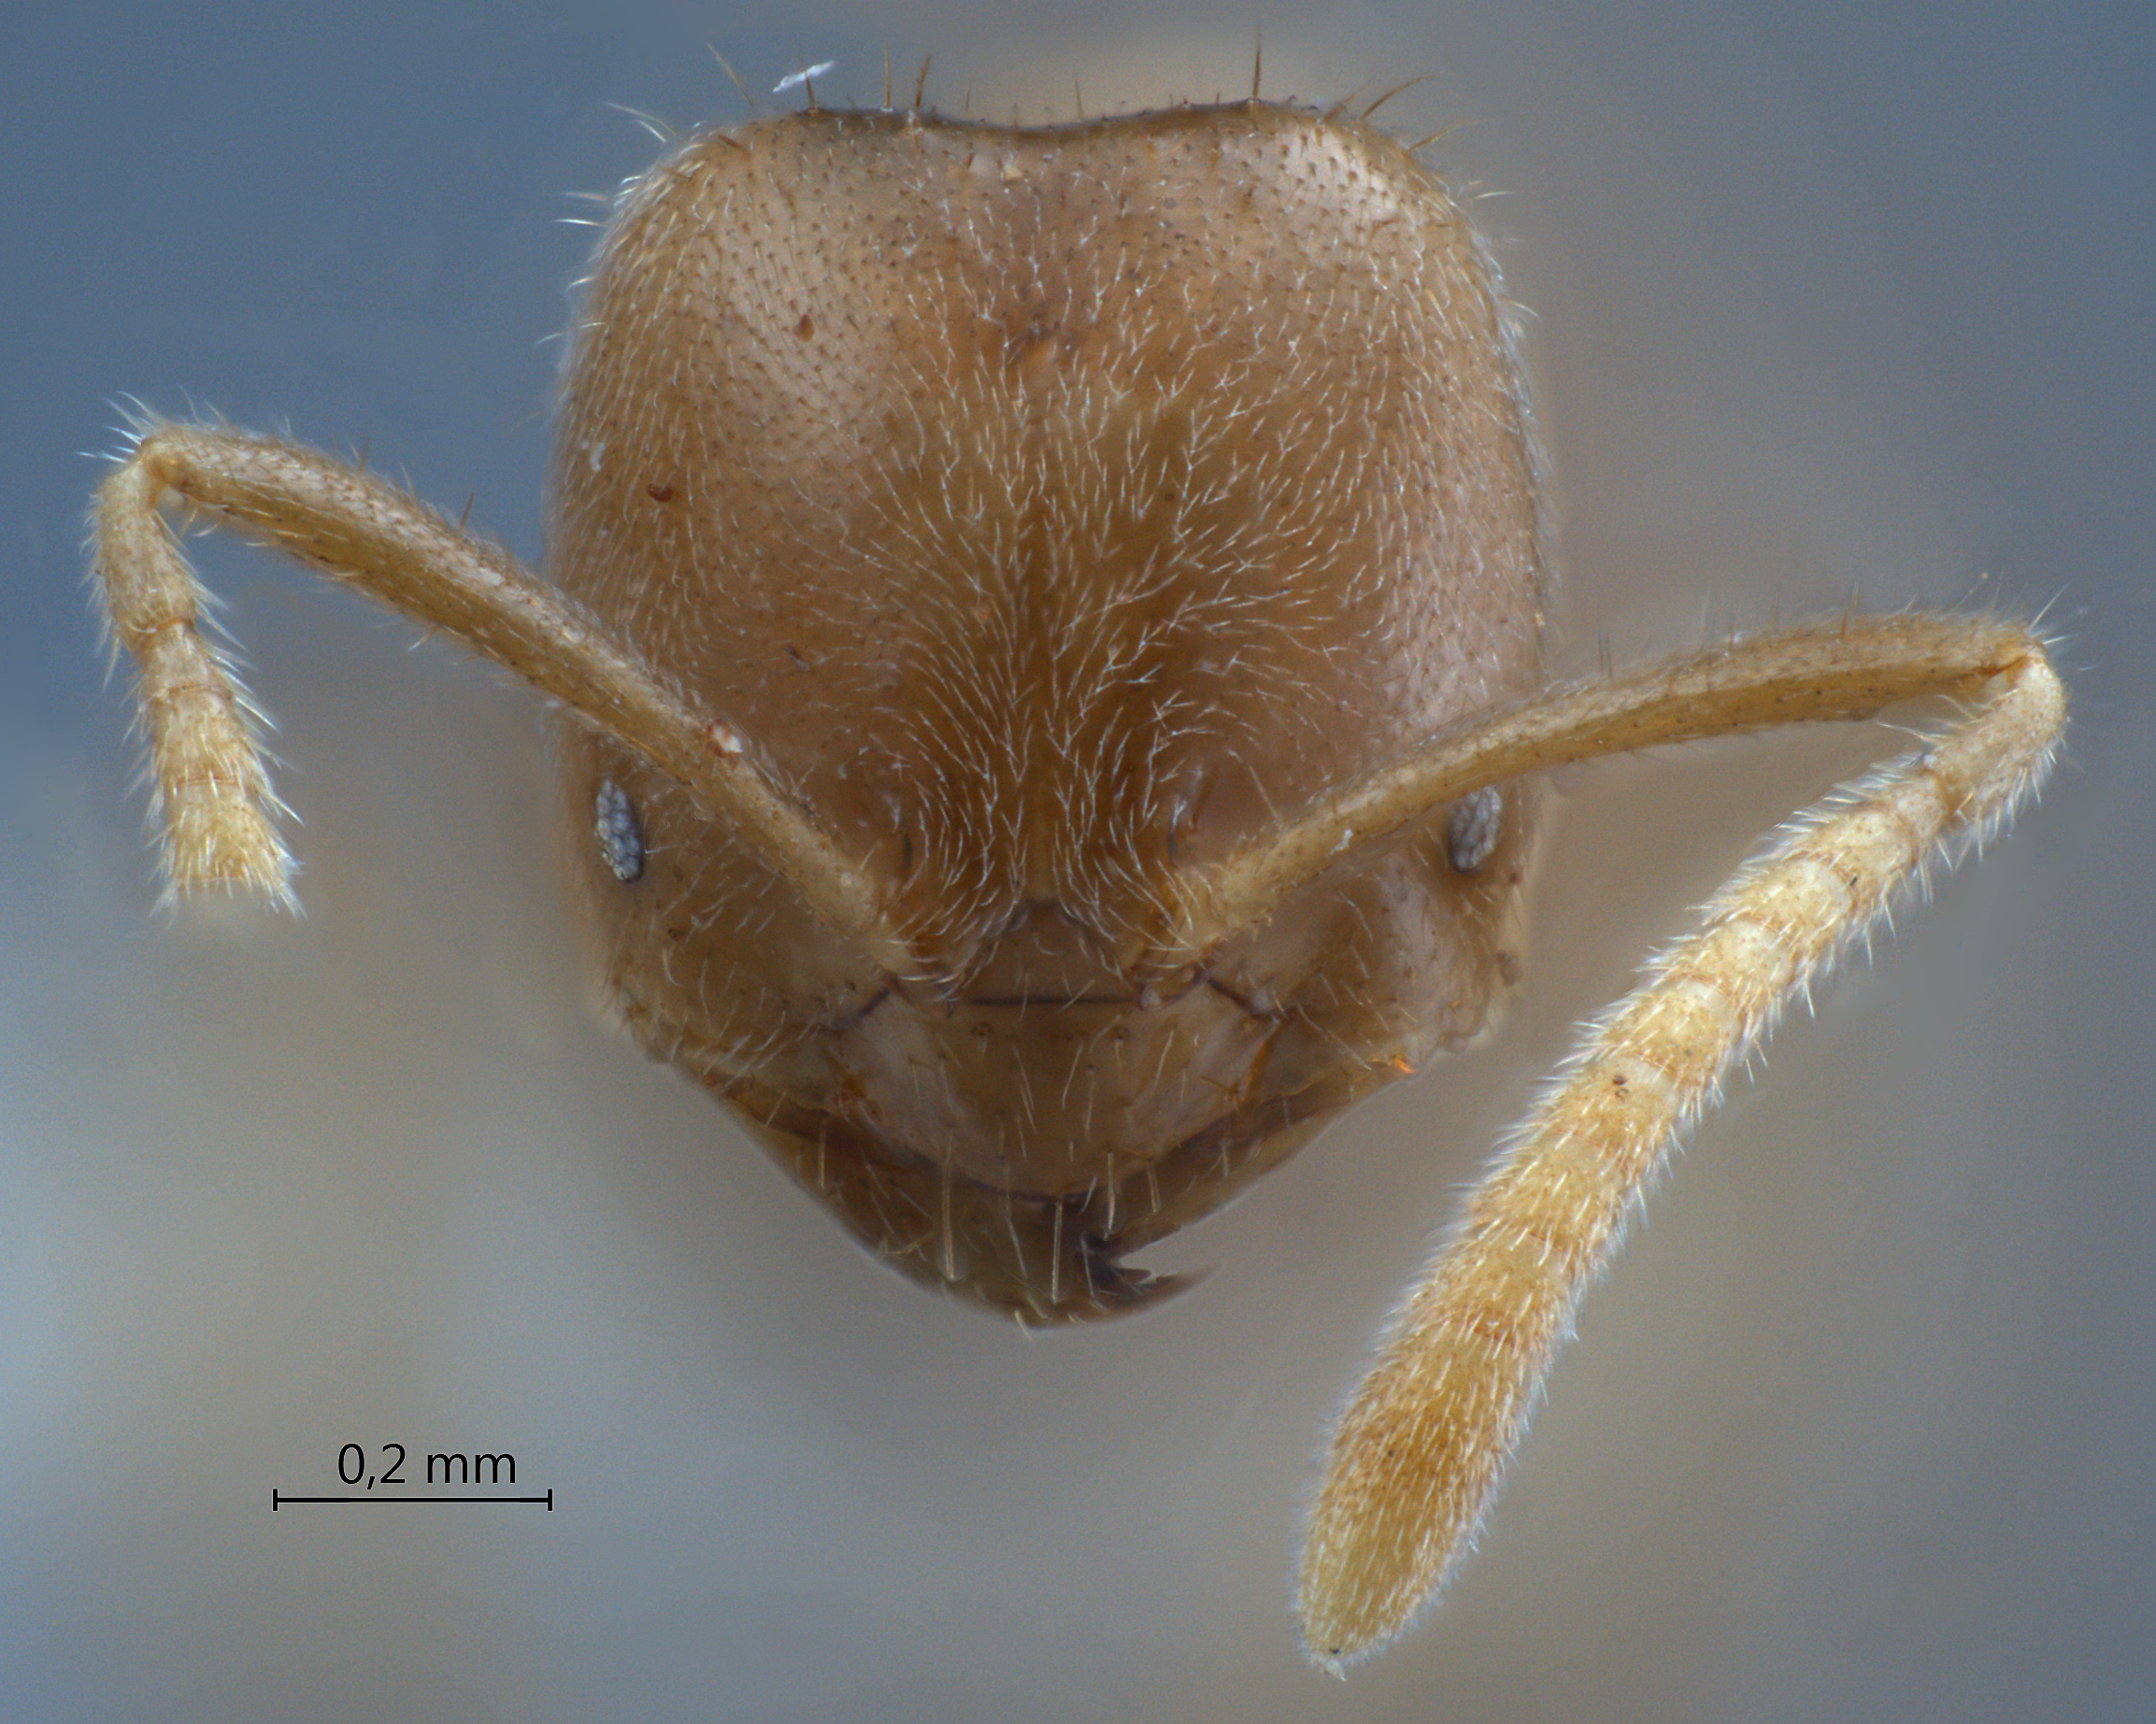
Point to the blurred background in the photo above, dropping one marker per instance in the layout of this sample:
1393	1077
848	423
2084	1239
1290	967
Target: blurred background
1829	301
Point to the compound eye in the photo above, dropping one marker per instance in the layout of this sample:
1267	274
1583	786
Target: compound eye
620	834
1472	829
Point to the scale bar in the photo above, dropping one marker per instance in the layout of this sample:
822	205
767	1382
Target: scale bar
277	1499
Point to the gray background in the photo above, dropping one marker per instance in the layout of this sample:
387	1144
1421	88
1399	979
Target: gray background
1828	301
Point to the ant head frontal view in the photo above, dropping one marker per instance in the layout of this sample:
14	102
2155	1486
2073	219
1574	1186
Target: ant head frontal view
1050	630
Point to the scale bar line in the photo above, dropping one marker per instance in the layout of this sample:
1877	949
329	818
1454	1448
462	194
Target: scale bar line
278	1500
